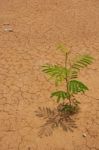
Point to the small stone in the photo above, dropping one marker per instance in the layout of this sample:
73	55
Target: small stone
84	135
7	28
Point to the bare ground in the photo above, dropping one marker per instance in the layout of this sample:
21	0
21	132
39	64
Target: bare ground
36	27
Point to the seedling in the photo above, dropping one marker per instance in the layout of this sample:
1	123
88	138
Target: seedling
69	75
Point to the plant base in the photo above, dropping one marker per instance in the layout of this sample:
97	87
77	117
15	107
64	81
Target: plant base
69	109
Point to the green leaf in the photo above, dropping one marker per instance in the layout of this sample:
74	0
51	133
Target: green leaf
57	72
62	48
73	74
60	95
76	86
81	62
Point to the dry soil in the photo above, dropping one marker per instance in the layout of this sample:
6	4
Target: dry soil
29	33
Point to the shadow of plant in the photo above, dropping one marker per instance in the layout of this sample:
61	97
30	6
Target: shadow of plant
54	119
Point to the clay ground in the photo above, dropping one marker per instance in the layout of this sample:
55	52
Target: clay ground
36	27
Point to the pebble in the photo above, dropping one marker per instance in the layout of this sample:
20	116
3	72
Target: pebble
84	135
8	28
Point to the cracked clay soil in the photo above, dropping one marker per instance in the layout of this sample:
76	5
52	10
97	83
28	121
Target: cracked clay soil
29	33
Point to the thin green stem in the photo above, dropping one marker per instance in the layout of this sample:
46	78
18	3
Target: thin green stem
66	79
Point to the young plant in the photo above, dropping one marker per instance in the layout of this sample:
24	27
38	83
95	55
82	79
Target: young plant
69	74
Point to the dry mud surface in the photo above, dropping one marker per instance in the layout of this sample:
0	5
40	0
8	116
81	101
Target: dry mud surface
29	33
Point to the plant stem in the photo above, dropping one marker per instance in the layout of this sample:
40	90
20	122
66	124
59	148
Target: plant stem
66	59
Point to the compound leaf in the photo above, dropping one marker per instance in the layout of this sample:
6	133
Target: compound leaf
63	48
60	95
76	86
57	72
83	61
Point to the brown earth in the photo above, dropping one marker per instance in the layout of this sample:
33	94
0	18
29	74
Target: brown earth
29	33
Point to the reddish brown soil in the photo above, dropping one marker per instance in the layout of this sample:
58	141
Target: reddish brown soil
37	26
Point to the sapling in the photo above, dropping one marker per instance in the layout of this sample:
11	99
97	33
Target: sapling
69	75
